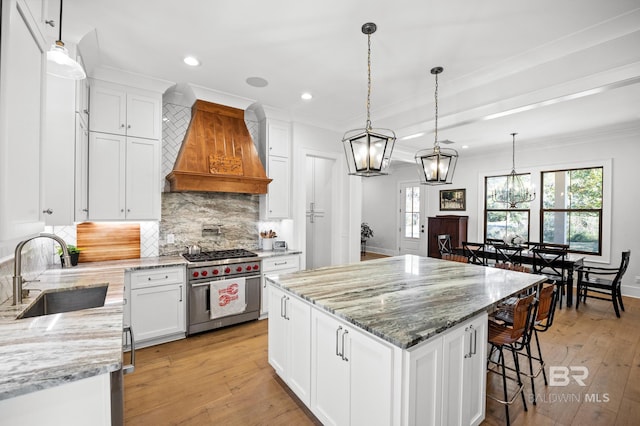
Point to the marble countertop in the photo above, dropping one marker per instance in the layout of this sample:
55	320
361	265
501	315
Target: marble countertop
273	253
406	299
50	350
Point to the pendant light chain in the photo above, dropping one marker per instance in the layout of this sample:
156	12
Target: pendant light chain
60	24
513	150
368	81
436	143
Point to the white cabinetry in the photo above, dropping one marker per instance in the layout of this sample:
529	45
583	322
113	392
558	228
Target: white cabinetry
352	374
272	266
123	180
123	153
290	341
124	111
275	147
464	370
158	304
22	111
445	377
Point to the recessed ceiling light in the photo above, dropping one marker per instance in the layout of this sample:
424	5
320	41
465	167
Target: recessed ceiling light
306	96
465	146
191	61
257	82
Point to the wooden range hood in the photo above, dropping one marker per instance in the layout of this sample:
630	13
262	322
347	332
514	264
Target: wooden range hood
217	154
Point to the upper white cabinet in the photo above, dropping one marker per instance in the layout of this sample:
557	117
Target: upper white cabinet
125	111
275	148
123	178
123	153
22	112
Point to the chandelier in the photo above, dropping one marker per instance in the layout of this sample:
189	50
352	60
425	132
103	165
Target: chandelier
437	165
368	150
513	192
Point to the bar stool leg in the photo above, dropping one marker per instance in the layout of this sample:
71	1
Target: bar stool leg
544	375
517	366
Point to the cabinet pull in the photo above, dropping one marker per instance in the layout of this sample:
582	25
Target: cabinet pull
475	341
282	307
471	350
286	316
166	277
344	357
280	263
337	348
180	294
47	211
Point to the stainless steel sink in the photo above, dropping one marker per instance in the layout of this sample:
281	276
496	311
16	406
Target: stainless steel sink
75	299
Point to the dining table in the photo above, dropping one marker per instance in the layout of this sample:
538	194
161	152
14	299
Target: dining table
571	263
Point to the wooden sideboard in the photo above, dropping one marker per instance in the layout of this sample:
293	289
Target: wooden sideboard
455	226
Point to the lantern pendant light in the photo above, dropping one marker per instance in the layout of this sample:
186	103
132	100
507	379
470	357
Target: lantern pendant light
59	63
436	166
513	192
368	150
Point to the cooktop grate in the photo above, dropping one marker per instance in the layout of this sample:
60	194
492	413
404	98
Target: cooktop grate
218	255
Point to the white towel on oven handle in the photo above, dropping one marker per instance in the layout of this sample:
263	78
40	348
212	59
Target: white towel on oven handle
227	297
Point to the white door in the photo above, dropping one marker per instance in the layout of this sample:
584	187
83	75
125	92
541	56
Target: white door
142	164
107	159
318	211
411	211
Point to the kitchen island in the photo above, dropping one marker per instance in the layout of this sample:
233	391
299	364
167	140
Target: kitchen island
400	340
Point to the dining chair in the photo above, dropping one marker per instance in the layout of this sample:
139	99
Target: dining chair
506	253
514	338
603	283
444	244
550	260
474	252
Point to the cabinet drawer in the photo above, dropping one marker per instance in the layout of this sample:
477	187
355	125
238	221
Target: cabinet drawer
277	263
157	276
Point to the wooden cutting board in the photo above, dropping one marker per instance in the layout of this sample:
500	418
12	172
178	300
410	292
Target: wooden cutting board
108	241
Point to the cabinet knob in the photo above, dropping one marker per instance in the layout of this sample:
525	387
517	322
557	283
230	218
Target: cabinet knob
122	126
121	210
128	210
50	22
129	126
47	211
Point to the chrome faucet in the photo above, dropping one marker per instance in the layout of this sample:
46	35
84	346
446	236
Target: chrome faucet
17	269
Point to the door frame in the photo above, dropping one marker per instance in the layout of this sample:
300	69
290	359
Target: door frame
422	245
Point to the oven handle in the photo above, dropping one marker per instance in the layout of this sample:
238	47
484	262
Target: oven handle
210	281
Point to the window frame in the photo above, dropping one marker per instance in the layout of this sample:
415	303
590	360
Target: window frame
507	209
568	211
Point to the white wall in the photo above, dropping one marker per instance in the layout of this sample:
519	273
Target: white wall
621	145
311	140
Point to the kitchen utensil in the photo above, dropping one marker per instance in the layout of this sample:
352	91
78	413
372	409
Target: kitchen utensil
194	249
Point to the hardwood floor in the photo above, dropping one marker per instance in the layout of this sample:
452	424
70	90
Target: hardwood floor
223	377
370	256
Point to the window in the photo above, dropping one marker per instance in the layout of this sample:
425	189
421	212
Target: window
571	210
499	219
412	212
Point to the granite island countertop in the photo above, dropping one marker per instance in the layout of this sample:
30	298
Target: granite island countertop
406	299
50	350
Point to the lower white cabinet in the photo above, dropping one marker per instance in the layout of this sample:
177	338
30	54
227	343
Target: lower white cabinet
275	265
352	374
464	369
445	377
157	304
290	341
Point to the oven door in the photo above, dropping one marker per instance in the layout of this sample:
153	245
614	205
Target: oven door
200	299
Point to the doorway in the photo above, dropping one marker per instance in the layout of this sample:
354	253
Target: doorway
319	211
411	218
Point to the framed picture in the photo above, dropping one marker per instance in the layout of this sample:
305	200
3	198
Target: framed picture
453	199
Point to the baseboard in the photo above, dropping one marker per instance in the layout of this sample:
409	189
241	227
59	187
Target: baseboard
630	291
380	250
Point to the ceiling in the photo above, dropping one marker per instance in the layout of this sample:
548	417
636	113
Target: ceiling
541	68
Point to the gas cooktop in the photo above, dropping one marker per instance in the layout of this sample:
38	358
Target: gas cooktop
207	256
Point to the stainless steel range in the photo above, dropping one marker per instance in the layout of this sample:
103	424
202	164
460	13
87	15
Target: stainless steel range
224	288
